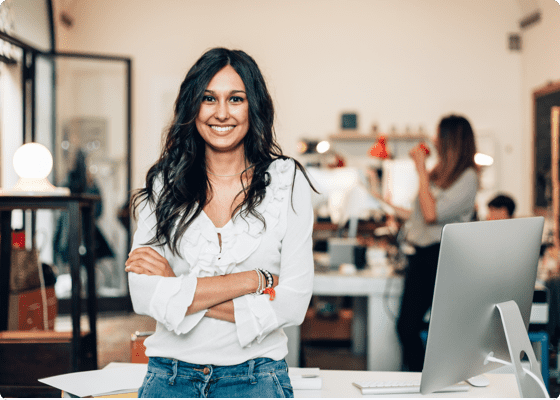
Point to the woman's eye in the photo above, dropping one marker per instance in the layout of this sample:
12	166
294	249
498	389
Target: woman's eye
208	98
237	99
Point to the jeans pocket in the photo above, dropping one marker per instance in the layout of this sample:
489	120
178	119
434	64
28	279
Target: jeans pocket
283	383
146	384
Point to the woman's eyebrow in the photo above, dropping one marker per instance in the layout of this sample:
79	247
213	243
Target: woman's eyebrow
231	92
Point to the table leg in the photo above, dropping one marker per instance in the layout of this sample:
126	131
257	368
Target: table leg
359	324
5	266
89	240
294	343
384	350
74	236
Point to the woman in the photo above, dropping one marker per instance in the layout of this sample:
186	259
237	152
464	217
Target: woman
222	257
446	195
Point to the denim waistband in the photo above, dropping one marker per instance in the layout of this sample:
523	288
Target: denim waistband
173	368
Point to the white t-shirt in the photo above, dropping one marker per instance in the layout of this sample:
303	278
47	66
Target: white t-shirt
284	248
454	204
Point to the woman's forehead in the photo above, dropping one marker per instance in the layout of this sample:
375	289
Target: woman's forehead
226	79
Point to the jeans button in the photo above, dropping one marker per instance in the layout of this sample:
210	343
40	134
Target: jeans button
206	370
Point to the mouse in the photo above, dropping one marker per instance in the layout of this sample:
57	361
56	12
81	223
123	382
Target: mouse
479	381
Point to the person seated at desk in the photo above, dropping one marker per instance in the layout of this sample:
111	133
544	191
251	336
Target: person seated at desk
446	194
500	207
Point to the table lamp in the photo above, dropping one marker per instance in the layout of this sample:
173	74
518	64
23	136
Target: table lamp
379	149
33	163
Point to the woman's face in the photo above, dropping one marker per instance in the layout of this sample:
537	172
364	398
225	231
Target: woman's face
223	117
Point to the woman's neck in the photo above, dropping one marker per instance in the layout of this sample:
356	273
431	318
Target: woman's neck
226	164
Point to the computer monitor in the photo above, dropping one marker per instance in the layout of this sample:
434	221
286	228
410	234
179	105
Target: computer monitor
482	265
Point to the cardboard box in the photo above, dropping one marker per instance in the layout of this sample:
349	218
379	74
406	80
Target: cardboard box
316	328
137	348
26	310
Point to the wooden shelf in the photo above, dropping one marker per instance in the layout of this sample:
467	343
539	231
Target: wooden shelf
356	137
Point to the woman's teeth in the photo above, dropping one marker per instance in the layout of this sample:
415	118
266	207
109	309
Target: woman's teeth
222	128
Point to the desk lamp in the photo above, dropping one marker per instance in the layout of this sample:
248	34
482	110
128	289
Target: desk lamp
33	163
379	149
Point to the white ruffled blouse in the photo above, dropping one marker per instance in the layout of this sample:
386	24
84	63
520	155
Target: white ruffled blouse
283	248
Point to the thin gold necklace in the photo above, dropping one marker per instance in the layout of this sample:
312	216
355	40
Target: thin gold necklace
228	176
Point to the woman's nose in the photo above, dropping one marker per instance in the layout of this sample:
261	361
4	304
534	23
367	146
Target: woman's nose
222	111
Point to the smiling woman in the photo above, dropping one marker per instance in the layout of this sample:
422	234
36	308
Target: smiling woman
222	257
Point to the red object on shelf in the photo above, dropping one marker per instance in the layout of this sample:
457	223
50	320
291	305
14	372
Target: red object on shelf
379	149
18	239
338	162
425	148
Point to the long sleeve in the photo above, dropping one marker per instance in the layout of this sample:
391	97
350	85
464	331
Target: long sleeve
257	316
164	299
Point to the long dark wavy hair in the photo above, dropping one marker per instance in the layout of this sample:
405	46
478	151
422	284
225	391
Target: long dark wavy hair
456	150
182	163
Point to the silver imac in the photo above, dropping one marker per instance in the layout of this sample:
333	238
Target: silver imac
482	302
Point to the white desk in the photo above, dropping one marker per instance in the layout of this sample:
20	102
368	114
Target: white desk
338	384
373	326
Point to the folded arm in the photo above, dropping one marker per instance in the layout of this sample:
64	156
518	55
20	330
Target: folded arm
213	293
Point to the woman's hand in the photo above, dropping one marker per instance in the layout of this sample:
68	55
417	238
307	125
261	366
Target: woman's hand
147	261
418	155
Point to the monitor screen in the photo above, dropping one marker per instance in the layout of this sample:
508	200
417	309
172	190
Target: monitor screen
481	264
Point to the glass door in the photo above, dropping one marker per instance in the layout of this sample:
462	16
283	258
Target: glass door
89	137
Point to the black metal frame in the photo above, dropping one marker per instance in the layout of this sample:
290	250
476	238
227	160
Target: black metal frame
29	58
80	209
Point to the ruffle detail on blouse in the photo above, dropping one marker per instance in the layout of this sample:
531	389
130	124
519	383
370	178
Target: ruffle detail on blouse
169	304
241	236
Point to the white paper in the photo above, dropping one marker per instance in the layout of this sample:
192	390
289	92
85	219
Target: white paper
305	378
121	379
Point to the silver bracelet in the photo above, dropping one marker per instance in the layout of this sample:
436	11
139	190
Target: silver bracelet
260	287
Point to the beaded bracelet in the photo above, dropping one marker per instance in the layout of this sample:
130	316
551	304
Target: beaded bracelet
260	286
269	281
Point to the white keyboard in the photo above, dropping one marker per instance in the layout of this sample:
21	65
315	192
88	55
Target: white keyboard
397	387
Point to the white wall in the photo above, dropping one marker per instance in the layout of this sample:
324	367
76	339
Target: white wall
540	65
399	62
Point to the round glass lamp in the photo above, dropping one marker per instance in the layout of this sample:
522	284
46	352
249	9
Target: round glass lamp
33	163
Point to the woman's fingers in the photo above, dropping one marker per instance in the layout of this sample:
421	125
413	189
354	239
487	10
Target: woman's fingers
141	265
149	262
149	253
137	269
160	263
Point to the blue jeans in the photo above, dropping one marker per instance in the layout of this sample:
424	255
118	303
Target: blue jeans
261	377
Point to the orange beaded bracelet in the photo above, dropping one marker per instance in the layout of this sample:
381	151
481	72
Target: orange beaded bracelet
271	292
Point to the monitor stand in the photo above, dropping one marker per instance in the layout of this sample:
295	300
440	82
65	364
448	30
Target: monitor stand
529	382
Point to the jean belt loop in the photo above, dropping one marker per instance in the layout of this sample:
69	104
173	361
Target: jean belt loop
252	378
175	365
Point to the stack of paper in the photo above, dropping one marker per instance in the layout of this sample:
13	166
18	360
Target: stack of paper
305	378
108	381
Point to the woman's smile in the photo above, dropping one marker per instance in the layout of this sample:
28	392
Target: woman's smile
222	128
